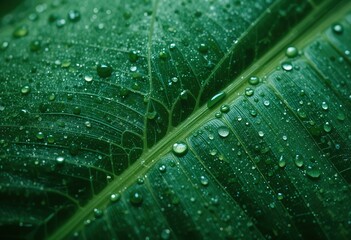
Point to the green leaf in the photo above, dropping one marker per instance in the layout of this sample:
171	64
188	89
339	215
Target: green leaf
175	119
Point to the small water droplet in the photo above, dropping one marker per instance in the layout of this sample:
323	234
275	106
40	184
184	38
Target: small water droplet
213	152
180	148
162	168
324	106
104	70
254	80
204	180
291	52
280	196
266	103
341	116
287	66
203	48
136	198
73	15
87	124
218	115
60	23
4	45
249	92
327	127
216	99
302	114
165	234
163	54
60	160
172	46
285	138
260	133
298	160
133	56
40	135
50	139
88	78
225	108
115	197
25	90
20	31
35	45
174	79
337	28
223	131
282	161
98	213
76	110
313	172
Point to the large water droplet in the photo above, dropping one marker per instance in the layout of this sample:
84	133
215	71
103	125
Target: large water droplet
223	131
254	80
136	198
291	52
180	148
313	172
287	66
298	160
216	99
104	70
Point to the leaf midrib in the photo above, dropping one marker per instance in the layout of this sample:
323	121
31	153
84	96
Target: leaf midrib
298	36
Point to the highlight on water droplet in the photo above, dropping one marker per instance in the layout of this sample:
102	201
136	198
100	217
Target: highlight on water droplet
60	160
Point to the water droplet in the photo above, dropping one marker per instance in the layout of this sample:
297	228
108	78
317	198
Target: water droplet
180	148
260	133
40	135
287	66
51	139
338	28
253	113
291	52
60	23
204	180
133	56
4	45
282	161
327	127
172	46
115	197
298	160
66	63
216	99
60	160
162	168
73	15
203	48
88	78
174	79
213	152
254	80
163	54
249	92
223	131
76	110
302	114
324	106
87	124
133	68
266	103
341	116
225	108
136	198
313	172
218	115
280	196
98	213
25	90
21	31
104	70
165	234
140	181
35	45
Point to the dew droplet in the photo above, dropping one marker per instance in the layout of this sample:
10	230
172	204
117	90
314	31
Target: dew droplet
174	79
340	116
104	70
136	198
254	80
87	124
223	131
20	31
162	168
163	55
76	110
302	114
180	148
4	45
260	133
115	197
203	48
282	161
35	45
337	28
50	139
291	52
60	23
298	160
313	172
324	106
60	160
204	180
216	99
88	78
280	196
213	152
249	92
133	56
40	135
165	234
287	66
73	15
218	115
25	90
225	108
98	213
327	127
266	103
